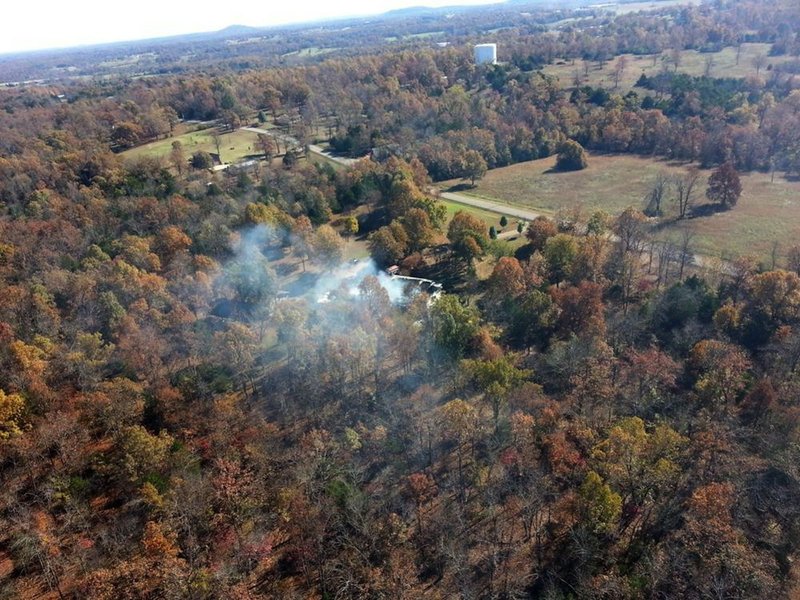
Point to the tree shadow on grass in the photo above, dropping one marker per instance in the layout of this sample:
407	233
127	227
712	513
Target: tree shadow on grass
707	210
302	284
447	270
461	187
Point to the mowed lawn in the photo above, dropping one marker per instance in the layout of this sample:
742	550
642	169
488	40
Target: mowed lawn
234	146
767	211
692	62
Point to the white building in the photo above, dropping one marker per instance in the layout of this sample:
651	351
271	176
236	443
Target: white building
486	54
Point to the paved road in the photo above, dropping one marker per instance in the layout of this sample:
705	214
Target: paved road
290	141
704	262
492	206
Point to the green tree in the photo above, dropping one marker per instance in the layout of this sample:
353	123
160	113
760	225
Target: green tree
571	157
466	234
201	160
350	226
495	379
454	325
600	507
560	252
639	463
533	319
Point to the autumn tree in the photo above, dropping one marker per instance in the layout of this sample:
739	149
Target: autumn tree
328	246
389	244
417	225
642	464
506	282
474	166
724	186
267	146
177	157
771	299
721	370
12	409
422	488
539	231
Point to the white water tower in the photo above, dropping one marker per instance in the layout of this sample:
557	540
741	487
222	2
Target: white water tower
486	54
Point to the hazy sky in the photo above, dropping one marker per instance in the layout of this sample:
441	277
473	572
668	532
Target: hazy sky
33	24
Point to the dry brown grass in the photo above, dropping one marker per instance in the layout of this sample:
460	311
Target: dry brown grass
692	62
767	211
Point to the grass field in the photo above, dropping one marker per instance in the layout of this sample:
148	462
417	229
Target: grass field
629	7
488	217
233	147
691	62
767	211
312	51
319	158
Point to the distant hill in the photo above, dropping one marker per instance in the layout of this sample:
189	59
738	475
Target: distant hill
235	30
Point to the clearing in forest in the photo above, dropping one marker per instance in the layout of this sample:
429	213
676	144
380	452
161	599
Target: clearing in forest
768	211
234	146
718	64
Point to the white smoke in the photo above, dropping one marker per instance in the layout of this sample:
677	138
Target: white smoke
346	278
349	276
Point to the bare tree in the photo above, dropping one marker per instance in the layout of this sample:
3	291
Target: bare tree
619	70
684	189
667	254
675	57
709	64
774	253
267	146
215	136
738	52
656	196
759	62
685	253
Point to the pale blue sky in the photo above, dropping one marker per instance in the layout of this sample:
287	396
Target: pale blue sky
34	24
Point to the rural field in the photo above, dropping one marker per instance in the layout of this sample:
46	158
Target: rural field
234	146
629	7
767	211
691	62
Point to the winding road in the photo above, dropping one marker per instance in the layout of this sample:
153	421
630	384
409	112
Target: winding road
313	148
